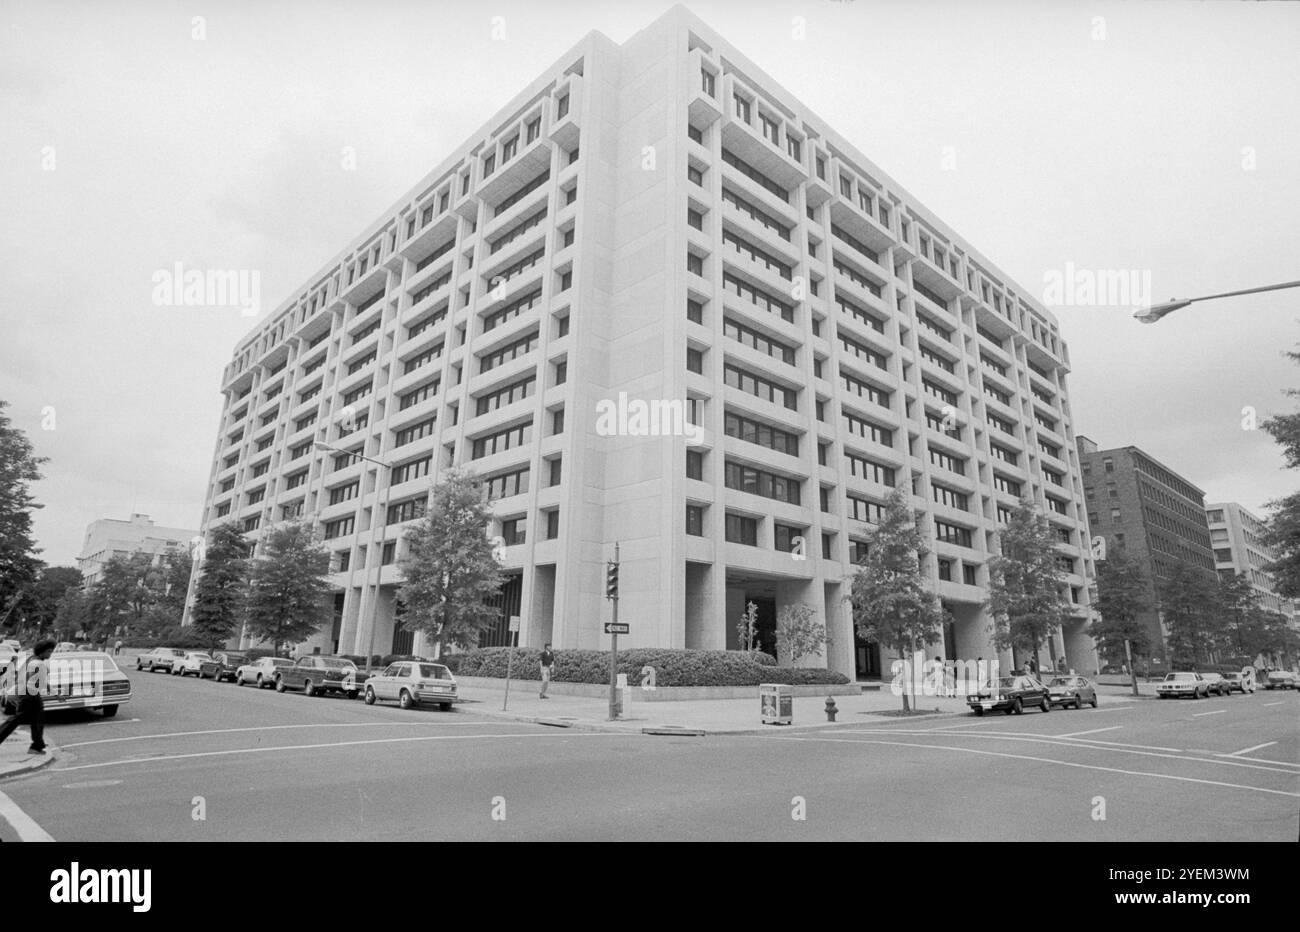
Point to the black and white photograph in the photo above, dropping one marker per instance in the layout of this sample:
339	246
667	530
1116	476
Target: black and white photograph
727	421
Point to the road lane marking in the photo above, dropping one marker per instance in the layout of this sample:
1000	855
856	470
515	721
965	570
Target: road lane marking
1265	760
1266	744
1075	734
1086	744
229	731
337	744
1215	712
1267	704
1049	760
22	823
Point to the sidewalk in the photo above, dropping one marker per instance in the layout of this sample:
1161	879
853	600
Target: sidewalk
709	716
14	759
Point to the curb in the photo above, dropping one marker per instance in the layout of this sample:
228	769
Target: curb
35	764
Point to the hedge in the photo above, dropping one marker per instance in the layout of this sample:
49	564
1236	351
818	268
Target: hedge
672	667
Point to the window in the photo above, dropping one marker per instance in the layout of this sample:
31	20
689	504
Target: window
1115	516
415	469
417	395
295	480
520	347
694	264
424	358
694	174
742	108
771	129
695	520
561	372
856	386
1108	464
562	327
785	538
252	524
506	484
261	468
694	311
867	430
389	553
562	107
533	130
359	392
223	509
695	218
508	150
828	552
1003	484
863	352
858	550
952	533
794	147
489	164
755	175
339	527
752	338
346	492
742	530
761	434
950	497
408	510
694	361
862	509
552	525
945	570
760	256
502	440
760	388
514	531
946	461
758	297
762	483
694	464
708	82
556	471
1004	454
968	574
416	431
557	421
515	391
522	193
863	468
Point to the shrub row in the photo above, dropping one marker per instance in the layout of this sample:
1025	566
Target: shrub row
672	667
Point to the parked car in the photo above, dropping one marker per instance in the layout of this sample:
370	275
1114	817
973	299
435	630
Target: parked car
191	662
222	665
1175	685
316	675
1243	681
261	672
1010	694
413	683
1281	679
160	658
12	644
81	679
1215	683
64	647
1072	690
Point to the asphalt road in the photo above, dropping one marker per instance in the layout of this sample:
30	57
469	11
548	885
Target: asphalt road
191	760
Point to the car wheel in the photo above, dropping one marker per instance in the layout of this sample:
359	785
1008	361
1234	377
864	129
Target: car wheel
1046	704
978	710
1094	700
309	688
404	700
1008	710
370	696
351	694
444	706
139	665
110	711
1019	707
279	684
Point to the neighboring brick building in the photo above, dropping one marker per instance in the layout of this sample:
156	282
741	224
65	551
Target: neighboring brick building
1149	511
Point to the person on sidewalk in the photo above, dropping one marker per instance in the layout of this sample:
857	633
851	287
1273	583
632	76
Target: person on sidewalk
31	707
547	661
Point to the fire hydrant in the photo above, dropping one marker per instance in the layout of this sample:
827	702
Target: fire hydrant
830	709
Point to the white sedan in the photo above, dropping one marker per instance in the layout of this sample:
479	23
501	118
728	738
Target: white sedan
261	672
191	663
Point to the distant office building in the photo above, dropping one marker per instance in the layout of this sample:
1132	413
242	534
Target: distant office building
655	300
1237	537
113	537
1149	511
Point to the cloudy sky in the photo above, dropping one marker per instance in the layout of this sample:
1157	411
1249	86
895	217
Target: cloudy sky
1158	139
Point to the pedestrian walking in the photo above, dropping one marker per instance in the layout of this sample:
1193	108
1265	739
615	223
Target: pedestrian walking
547	661
117	648
31	707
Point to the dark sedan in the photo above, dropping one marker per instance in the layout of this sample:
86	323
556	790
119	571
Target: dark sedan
1010	694
222	665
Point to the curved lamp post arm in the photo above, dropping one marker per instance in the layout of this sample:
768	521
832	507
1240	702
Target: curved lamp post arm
1149	315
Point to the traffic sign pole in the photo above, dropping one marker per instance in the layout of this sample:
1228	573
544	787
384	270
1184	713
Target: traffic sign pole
614	649
510	660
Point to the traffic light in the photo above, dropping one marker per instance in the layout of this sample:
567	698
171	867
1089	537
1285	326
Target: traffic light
611	580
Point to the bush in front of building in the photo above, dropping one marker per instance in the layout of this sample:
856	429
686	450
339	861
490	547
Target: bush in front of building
671	667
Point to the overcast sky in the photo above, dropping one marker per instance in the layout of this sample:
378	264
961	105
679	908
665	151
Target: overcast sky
1158	138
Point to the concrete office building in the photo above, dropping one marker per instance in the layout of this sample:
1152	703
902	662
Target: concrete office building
657	301
1152	513
113	537
1237	537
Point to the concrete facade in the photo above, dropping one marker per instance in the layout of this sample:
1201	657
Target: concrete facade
1237	537
110	537
1152	513
726	333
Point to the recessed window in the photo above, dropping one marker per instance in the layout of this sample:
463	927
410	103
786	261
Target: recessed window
695	361
694	464
695	520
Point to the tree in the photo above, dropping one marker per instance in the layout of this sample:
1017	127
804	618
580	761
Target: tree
39	605
1025	584
222	587
1189	602
799	633
1121	598
19	466
1244	623
73	614
891	605
450	572
747	628
1283	528
289	595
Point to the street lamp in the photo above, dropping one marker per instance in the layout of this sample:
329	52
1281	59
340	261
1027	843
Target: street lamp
1149	315
383	513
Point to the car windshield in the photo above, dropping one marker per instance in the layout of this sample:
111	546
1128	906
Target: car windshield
1172	677
1005	682
201	656
434	671
1063	681
279	661
331	663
